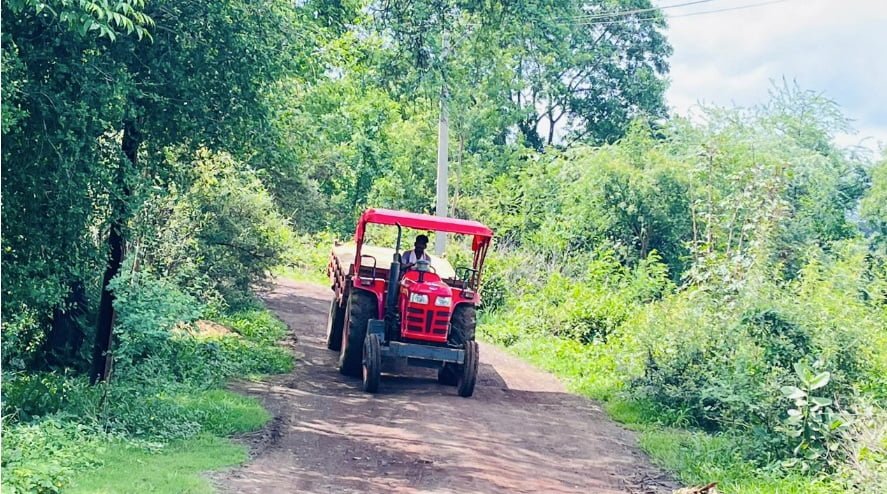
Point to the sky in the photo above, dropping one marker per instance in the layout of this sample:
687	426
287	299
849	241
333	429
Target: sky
835	47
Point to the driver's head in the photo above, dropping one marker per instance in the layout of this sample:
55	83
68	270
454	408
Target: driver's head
421	244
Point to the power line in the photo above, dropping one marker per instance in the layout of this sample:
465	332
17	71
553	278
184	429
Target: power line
727	9
689	14
619	13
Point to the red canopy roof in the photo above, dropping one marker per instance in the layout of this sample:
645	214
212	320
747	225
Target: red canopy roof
423	222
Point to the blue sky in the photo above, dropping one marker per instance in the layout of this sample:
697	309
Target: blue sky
836	47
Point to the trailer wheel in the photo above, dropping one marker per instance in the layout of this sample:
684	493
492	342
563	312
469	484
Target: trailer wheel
372	363
334	326
463	324
446	375
361	308
468	375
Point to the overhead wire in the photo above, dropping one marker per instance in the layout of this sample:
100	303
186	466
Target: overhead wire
626	15
617	13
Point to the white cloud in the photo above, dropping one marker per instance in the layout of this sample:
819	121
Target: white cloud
835	47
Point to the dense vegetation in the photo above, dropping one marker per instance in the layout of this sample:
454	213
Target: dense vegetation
720	282
728	277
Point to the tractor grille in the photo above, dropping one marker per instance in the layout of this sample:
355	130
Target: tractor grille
420	321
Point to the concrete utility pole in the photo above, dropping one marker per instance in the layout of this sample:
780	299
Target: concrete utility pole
443	138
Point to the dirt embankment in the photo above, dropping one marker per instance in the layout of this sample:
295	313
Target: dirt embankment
521	432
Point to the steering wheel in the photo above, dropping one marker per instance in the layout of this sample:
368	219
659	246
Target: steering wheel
412	267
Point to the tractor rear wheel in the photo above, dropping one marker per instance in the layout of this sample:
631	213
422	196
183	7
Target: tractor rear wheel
372	363
334	326
468	375
446	375
361	308
463	324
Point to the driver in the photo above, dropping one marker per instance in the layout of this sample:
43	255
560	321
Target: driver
410	257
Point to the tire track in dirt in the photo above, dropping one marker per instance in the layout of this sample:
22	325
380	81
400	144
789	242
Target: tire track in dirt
521	432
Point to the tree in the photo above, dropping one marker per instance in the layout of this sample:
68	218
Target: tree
548	64
101	109
873	207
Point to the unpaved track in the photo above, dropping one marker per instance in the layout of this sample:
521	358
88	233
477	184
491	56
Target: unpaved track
521	432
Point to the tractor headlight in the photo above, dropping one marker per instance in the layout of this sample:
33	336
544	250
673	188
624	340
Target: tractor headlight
418	298
443	301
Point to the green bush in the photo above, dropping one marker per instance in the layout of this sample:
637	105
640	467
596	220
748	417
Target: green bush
41	457
710	357
30	396
147	310
218	236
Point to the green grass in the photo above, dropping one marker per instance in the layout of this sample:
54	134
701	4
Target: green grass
301	274
175	468
224	413
694	457
699	458
54	454
159	435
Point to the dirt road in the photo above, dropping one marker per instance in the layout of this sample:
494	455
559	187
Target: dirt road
521	432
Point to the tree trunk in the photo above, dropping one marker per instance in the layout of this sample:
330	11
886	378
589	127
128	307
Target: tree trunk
101	362
65	338
551	122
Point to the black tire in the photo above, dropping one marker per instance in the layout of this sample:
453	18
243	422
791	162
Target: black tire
372	363
446	375
463	324
334	326
467	376
361	308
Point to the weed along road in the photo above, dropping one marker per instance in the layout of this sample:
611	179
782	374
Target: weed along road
520	432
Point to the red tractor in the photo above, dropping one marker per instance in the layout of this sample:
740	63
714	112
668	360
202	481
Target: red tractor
424	314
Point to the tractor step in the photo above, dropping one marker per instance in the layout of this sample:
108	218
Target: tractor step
397	349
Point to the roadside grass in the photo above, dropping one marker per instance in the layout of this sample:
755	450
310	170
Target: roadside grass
306	258
177	467
693	457
298	273
150	432
223	413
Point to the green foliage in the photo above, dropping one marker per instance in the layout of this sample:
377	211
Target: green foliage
42	457
307	257
752	213
147	311
219	236
84	17
29	396
164	389
813	421
873	207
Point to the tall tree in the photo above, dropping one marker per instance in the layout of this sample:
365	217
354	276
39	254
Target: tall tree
587	68
101	108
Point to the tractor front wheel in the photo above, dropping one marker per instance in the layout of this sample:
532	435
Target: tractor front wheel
334	326
463	324
468	375
372	363
361	308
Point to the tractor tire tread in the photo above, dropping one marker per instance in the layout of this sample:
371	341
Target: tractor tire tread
463	324
467	376
372	363
361	308
335	326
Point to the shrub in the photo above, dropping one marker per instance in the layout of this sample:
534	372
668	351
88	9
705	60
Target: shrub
147	310
220	235
29	396
41	457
